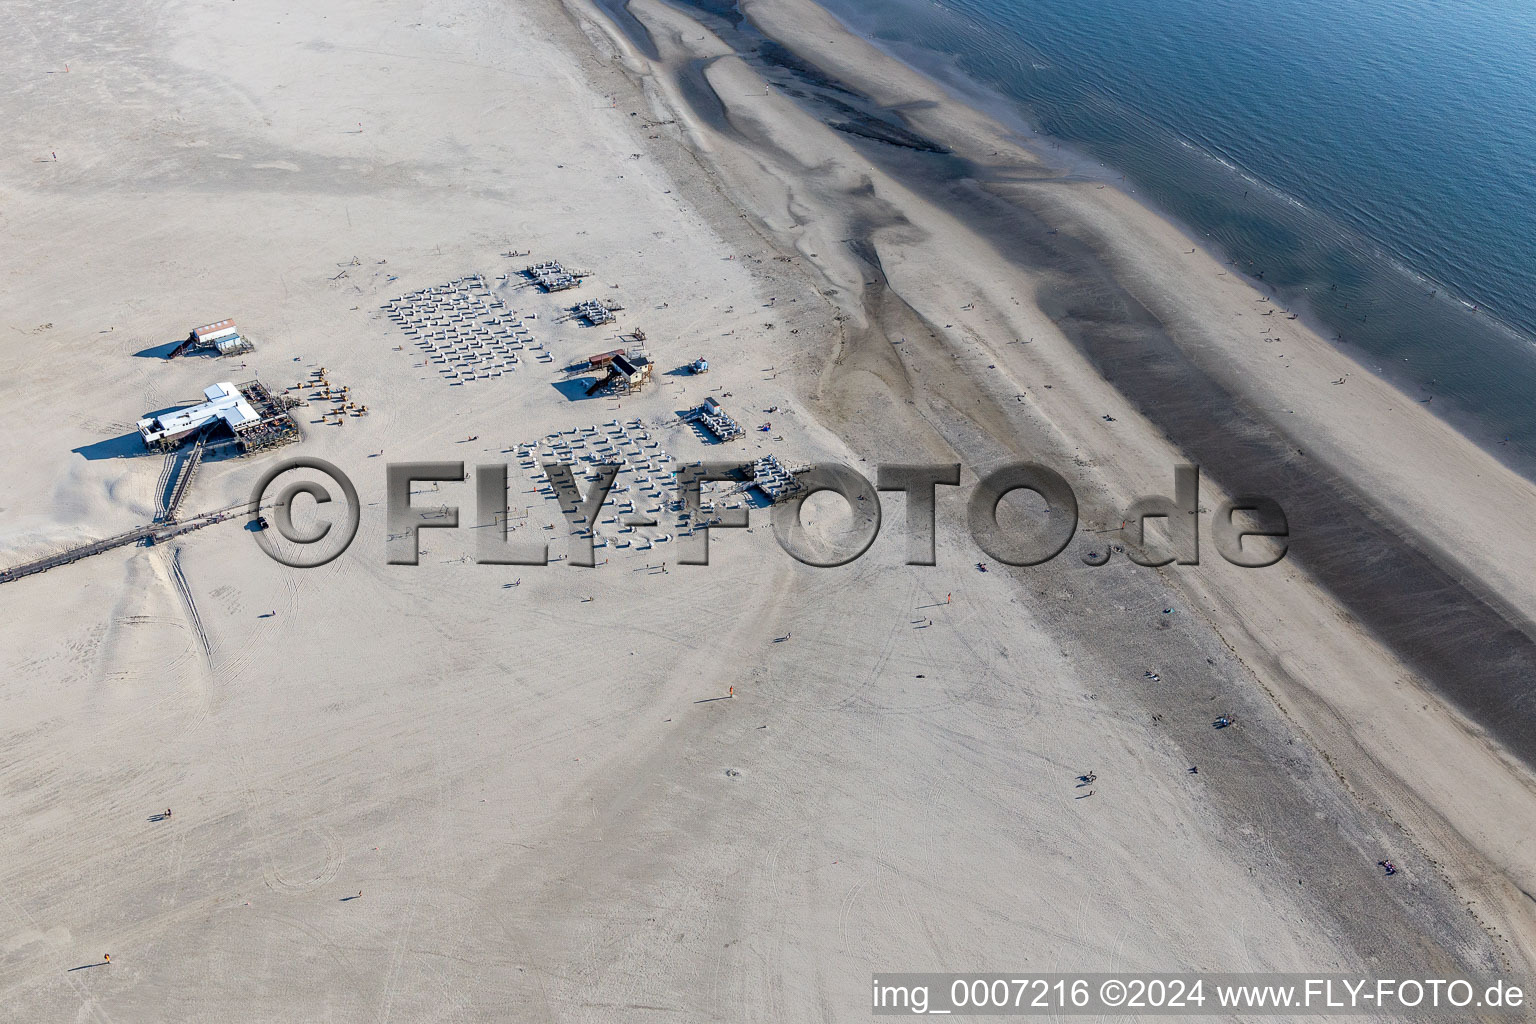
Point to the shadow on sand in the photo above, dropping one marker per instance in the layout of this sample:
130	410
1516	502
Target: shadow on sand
575	389
126	446
157	351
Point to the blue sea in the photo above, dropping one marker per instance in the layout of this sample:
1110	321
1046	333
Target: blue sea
1373	161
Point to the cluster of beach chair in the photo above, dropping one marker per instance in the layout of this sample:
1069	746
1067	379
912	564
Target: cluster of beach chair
646	484
642	486
774	479
716	420
466	332
552	277
593	312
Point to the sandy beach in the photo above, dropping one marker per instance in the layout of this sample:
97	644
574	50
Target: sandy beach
651	790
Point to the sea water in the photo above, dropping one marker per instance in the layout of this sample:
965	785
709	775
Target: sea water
1374	163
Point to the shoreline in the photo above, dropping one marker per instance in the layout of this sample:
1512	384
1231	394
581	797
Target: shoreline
1462	412
1141	250
1437	589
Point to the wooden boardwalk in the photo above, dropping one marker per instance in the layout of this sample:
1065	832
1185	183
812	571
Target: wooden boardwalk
184	481
153	533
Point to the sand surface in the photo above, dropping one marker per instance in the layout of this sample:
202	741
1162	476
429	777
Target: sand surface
529	773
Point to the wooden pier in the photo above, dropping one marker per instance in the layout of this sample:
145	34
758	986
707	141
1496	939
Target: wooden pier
152	533
183	482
